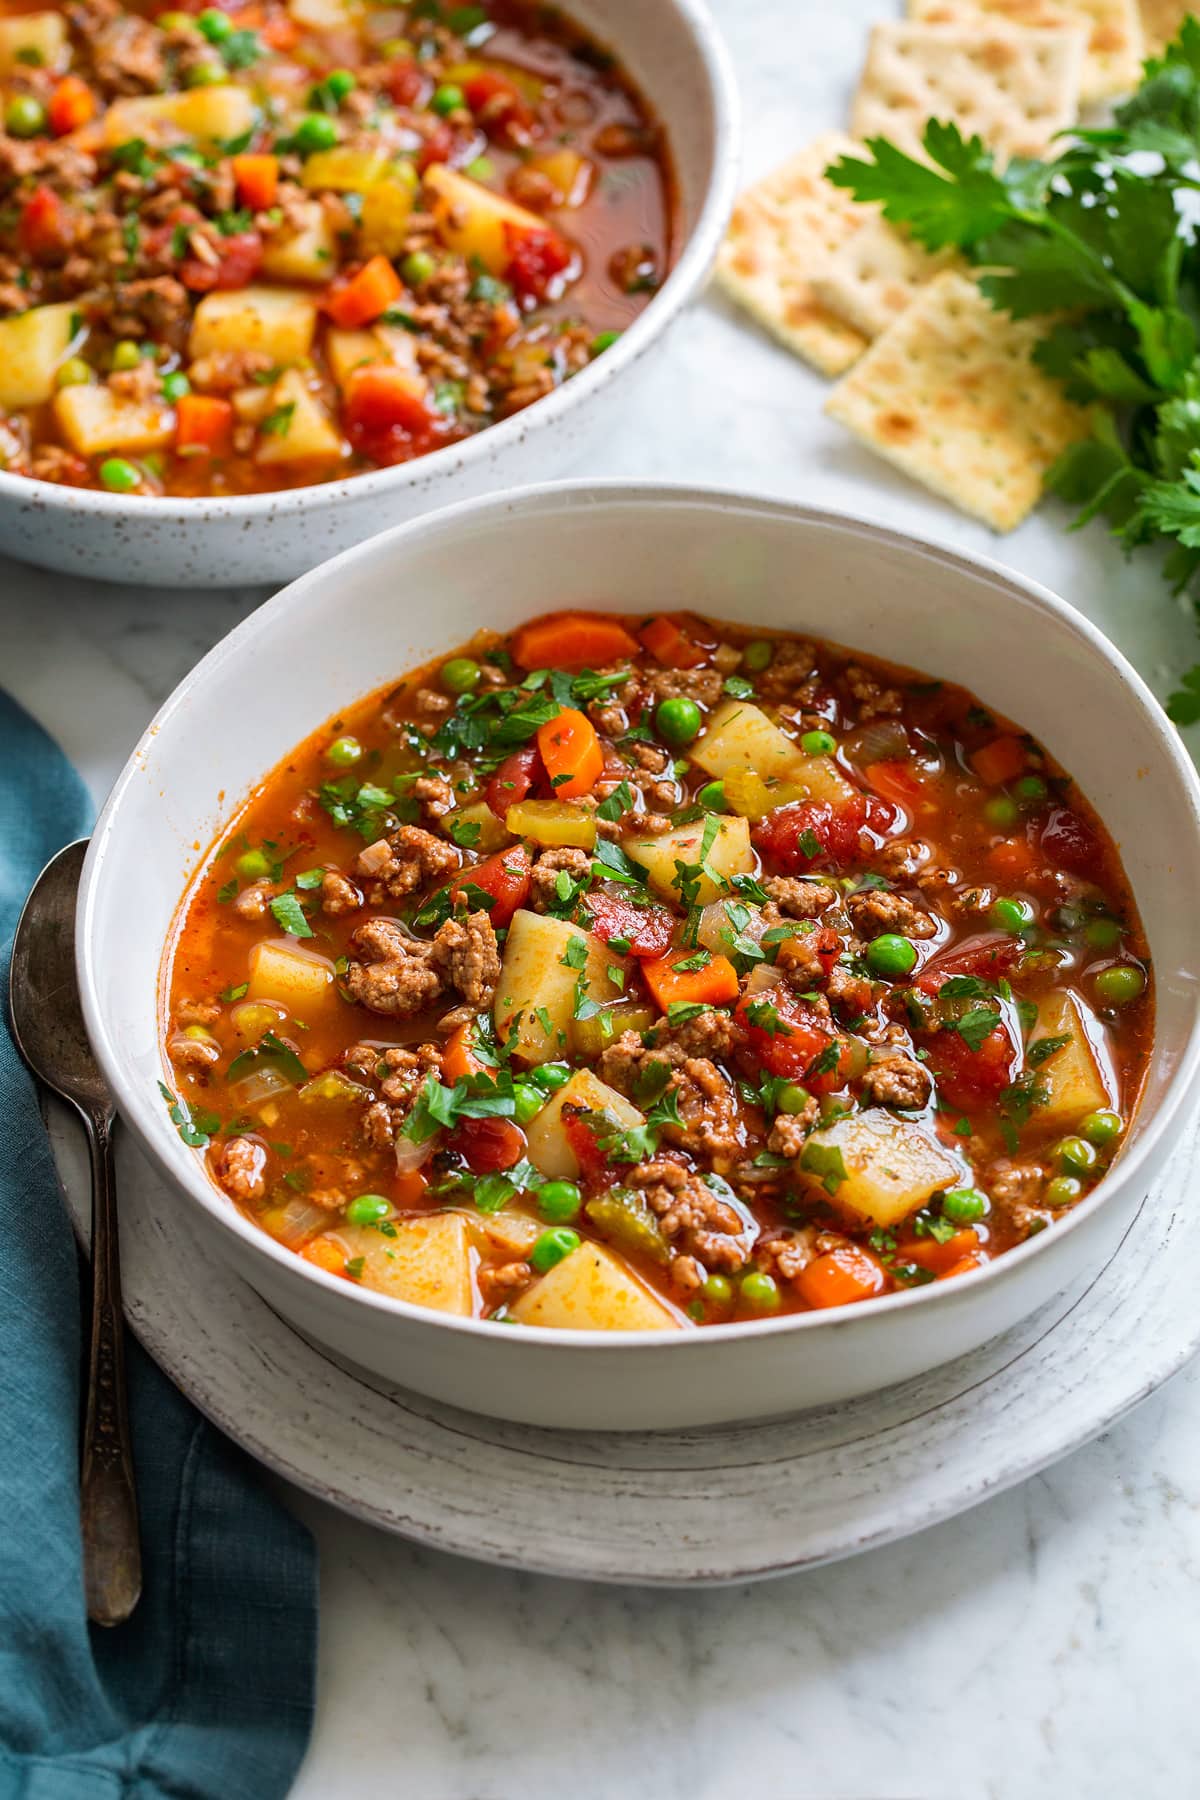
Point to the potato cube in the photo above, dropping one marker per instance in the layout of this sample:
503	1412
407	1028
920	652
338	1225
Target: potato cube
307	252
729	854
95	421
593	1290
1074	1076
429	1261
296	978
557	823
32	346
739	735
473	221
37	38
888	1167
278	321
210	115
297	429
549	1147
548	963
325	15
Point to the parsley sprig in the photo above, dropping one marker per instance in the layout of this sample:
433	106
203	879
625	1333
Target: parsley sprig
1100	243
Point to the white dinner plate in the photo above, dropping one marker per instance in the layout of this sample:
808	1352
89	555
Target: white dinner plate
670	1508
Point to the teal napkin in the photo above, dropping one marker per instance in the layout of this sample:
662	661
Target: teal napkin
206	1693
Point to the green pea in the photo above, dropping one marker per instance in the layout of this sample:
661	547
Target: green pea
559	1202
1062	1191
1103	934
528	1100
718	1290
792	1098
964	1206
1001	812
712	797
760	1291
340	83
202	75
1010	915
24	116
1120	985
603	340
552	1247
482	169
126	354
757	655
448	98
1031	788
73	373
460	675
818	743
176	385
1102	1128
1075	1155
551	1076
119	476
252	865
214	25
316	131
367	1209
417	268
678	721
344	752
891	956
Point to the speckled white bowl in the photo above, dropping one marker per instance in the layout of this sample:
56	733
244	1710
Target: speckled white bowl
363	619
674	53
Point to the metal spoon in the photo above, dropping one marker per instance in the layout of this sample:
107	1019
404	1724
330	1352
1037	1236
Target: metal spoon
49	1031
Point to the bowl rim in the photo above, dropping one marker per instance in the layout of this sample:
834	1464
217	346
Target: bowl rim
682	284
512	505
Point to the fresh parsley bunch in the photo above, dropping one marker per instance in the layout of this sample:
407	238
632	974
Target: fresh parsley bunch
1104	242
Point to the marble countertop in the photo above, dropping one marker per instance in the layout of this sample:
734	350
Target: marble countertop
1043	1644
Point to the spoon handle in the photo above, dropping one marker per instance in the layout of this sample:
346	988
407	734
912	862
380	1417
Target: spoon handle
112	1560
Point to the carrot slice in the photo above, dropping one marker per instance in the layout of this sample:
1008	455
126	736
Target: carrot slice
365	295
325	1254
1014	859
458	1058
572	641
72	105
664	639
571	752
841	1277
976	1260
713	985
927	1253
410	1189
1000	761
257	180
203	425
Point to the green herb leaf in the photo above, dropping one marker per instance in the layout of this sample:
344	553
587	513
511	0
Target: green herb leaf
288	914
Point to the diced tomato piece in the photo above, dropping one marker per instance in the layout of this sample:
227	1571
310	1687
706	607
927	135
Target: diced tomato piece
499	107
44	228
387	415
898	782
279	32
405	82
238	259
991	955
489	1145
972	1078
518	776
1003	759
647	930
505	877
790	1038
72	105
438	147
593	1165
362	297
535	261
809	834
1069	843
257	179
1014	861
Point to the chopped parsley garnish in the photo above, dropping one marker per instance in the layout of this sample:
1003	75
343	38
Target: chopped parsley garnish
274	1053
195	1128
826	1162
1044	1048
289	915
